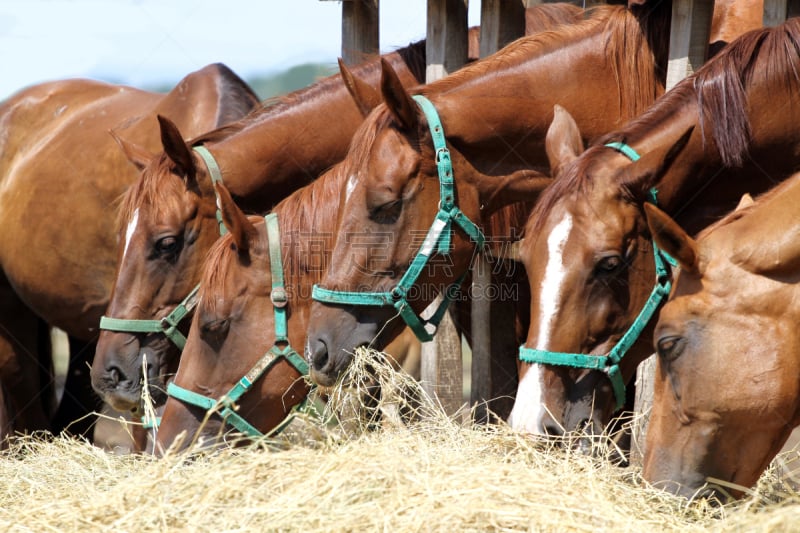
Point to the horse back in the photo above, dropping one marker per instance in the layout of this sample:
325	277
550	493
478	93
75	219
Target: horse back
60	168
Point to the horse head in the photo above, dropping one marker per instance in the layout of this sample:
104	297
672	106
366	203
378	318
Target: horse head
167	219
728	374
590	265
239	331
406	232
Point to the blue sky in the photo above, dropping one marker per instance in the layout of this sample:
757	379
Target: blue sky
146	42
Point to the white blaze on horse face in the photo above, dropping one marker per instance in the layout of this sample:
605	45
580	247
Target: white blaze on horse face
529	409
528	413
553	281
129	231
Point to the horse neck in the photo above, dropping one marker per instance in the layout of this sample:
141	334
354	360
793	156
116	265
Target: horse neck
741	137
507	99
278	149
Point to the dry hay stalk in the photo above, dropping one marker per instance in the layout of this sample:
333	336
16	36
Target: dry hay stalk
411	469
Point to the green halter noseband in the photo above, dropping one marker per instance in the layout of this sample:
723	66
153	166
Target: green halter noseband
226	405
169	324
438	237
610	363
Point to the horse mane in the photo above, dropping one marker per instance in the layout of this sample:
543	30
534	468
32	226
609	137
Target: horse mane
546	16
720	89
299	215
626	44
412	55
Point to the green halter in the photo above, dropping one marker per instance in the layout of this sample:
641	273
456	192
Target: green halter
226	405
610	363
438	237
169	324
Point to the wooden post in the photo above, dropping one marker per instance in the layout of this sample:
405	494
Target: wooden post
777	11
688	46
688	39
446	50
493	320
360	30
502	21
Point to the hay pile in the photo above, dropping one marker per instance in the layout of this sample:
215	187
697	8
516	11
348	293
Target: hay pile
432	474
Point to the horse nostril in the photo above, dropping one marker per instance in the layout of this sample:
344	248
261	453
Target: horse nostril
319	355
553	430
114	376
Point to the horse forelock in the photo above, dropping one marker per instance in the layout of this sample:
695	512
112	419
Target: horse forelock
222	254
573	179
364	139
147	190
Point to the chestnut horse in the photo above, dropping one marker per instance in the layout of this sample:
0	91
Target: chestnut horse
732	320
262	159
727	129
493	116
61	173
254	300
168	217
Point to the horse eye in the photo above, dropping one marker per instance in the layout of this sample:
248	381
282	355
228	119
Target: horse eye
387	213
670	347
609	264
167	246
215	331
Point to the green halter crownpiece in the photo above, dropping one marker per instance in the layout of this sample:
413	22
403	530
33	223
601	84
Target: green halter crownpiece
610	363
226	405
169	324
216	177
438	238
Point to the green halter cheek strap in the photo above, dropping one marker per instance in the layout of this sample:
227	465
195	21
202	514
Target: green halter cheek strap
610	363
436	240
169	324
226	405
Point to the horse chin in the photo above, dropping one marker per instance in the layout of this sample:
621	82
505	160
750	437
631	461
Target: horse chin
125	401
697	491
330	374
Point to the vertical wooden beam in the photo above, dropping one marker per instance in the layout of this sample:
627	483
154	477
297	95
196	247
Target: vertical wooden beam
446	51
481	316
493	320
774	12
502	21
446	44
688	47
688	39
360	30
777	11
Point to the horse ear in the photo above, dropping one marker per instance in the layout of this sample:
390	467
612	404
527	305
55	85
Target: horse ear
671	238
136	154
745	201
563	142
175	147
397	99
364	95
648	171
237	223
